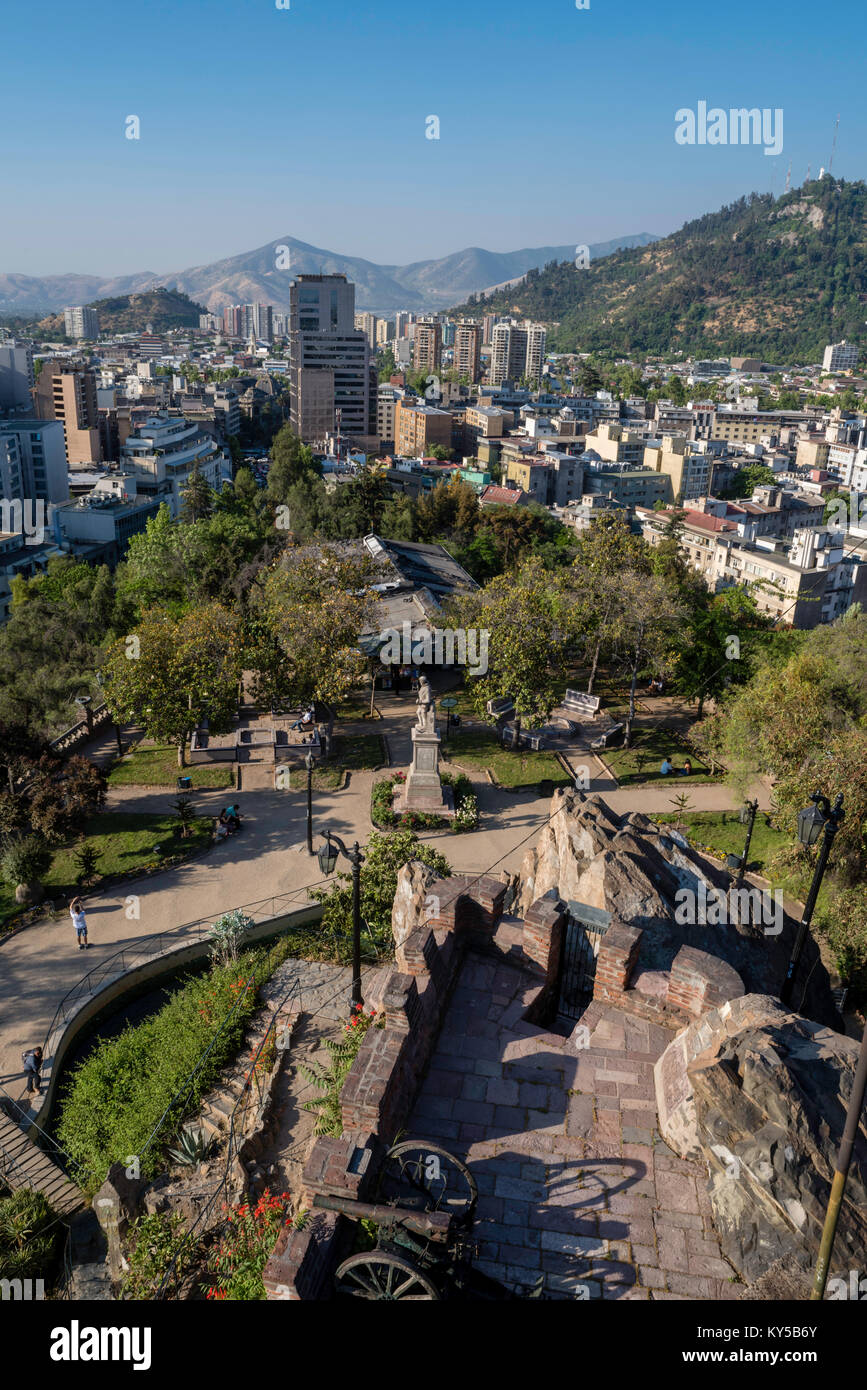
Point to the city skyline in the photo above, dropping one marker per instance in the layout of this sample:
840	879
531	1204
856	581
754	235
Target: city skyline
301	141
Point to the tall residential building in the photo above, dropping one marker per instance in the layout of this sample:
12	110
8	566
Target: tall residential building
16	377
329	360
402	321
368	324
384	331
81	322
517	351
232	320
840	357
67	392
263	322
468	349
428	343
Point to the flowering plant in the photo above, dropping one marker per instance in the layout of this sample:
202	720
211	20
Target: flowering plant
237	1261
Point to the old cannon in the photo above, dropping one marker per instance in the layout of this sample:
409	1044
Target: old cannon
419	1229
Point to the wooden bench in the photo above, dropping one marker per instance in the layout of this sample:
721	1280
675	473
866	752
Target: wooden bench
581	702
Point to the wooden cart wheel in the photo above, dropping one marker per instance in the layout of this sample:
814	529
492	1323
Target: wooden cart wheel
379	1274
419	1174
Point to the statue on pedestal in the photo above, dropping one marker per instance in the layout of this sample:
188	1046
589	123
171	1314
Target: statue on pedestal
425	710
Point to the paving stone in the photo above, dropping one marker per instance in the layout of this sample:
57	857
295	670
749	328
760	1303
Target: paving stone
501	1092
566	1244
475	1111
510	1118
474	1087
651	1277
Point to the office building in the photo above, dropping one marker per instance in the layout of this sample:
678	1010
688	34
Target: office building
41	453
164	451
329	360
16	378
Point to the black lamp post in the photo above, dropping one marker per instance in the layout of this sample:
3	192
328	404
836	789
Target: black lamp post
327	863
812	821
748	818
309	762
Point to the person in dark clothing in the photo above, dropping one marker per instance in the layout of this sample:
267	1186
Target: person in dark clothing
32	1066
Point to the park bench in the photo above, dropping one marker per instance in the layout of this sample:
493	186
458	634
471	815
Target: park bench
607	739
581	702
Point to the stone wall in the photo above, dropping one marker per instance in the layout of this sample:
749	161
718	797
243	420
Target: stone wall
434	921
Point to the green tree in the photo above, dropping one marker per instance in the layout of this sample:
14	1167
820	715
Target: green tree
172	673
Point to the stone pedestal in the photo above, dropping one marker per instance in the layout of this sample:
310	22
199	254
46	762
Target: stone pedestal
423	790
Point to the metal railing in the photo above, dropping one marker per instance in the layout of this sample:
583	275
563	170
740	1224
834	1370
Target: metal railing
139	952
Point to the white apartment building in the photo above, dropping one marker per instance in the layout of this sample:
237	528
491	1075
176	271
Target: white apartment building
517	351
162	454
840	357
81	322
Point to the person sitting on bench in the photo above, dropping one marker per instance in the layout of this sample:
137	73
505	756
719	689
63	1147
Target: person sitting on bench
306	718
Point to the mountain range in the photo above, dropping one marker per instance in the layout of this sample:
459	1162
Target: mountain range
254	277
777	278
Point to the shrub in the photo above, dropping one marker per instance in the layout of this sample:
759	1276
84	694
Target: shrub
113	1100
237	1261
153	1243
30	1236
226	934
24	859
385	856
382	803
843	922
330	1078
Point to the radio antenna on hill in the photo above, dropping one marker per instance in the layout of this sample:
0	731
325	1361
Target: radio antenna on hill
789	176
834	144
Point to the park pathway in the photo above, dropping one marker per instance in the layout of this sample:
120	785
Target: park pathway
41	963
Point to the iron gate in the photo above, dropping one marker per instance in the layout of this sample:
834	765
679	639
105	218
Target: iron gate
584	931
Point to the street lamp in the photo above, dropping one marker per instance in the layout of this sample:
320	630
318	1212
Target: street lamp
747	818
309	763
811	823
327	863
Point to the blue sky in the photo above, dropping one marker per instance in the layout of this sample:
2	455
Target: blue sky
556	124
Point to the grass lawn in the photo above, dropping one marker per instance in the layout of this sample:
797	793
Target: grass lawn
722	831
157	766
641	763
353	753
480	748
124	843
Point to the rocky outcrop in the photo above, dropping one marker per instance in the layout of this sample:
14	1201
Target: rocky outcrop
641	874
411	907
761	1093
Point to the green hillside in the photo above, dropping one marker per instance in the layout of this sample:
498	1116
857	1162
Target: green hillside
131	313
775	278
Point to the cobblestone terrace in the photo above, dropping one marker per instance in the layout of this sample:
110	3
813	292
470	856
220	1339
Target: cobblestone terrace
577	1190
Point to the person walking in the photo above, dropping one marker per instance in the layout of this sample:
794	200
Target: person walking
32	1066
79	921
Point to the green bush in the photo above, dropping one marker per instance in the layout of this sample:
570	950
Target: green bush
382	803
153	1242
30	1236
329	1077
24	859
113	1100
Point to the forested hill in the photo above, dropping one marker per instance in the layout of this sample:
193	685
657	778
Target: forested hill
775	278
131	313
